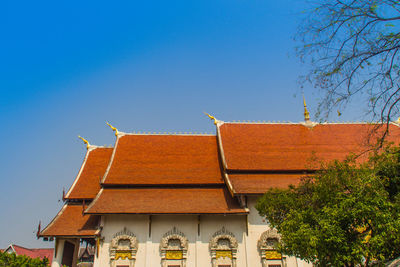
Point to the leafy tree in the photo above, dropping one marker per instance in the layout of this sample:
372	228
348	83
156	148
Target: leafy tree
12	260
352	47
347	214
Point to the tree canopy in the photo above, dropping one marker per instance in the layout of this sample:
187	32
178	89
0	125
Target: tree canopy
12	260
344	215
353	49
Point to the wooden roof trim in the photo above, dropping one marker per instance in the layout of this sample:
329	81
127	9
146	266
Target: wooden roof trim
56	218
42	233
90	149
94	201
112	157
80	172
224	166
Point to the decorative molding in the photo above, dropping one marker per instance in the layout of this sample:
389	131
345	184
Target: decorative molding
269	234
223	247
173	251
266	245
123	246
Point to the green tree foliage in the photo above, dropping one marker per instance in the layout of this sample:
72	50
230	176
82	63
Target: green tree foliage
344	215
352	47
12	260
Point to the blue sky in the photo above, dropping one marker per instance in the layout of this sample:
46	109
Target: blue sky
69	66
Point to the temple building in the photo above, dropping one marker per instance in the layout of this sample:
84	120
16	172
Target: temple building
189	199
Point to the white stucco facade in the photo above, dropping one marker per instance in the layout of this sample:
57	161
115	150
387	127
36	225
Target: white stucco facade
149	230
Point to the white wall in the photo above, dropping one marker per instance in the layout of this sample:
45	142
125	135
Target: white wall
258	225
148	254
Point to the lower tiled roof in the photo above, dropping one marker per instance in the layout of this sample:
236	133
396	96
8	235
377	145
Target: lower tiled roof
35	252
260	183
71	222
165	201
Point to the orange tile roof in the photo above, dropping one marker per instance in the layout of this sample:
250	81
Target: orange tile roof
164	201
260	183
70	222
291	146
87	182
164	159
34	252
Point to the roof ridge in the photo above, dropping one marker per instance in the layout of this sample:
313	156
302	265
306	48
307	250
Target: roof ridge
302	123
14	245
179	133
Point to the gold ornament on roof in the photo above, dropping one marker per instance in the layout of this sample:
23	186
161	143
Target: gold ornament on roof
85	141
306	113
113	128
212	118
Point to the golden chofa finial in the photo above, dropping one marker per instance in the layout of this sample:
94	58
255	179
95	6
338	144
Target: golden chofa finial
85	141
113	128
306	113
212	118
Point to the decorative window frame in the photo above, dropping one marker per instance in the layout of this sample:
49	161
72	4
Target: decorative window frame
174	233
263	246
123	252
215	247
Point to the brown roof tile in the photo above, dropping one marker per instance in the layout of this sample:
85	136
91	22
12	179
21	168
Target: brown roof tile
35	252
292	146
70	222
164	201
165	159
260	183
87	183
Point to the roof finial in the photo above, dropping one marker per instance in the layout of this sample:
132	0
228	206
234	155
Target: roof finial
38	230
63	195
113	128
212	118
85	141
306	113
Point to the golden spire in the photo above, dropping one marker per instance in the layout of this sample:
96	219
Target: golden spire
113	128
212	118
306	113
85	141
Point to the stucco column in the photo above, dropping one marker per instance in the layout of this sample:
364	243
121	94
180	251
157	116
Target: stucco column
76	251
58	252
246	246
148	250
198	243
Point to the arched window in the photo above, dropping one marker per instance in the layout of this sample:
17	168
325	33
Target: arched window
223	247
173	249
267	246
123	249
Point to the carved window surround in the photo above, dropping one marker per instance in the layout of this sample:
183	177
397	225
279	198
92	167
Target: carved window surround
123	246
266	245
226	249
173	247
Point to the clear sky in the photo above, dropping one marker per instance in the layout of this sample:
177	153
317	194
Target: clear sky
69	66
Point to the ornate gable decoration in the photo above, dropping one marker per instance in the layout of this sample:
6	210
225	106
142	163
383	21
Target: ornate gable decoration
223	246
173	247
123	246
266	240
266	245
